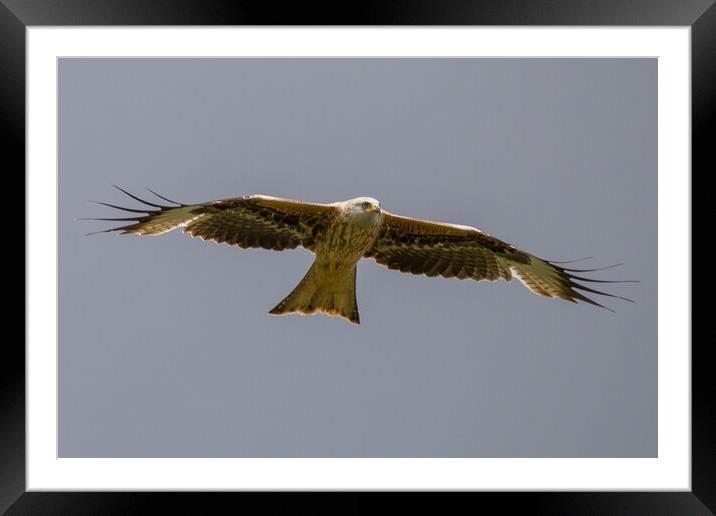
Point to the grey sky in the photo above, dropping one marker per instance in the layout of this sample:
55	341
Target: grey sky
165	346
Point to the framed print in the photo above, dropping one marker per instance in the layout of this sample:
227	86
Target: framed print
151	364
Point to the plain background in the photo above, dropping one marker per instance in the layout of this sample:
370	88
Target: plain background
165	346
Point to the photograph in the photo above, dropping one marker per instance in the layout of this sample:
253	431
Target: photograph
468	262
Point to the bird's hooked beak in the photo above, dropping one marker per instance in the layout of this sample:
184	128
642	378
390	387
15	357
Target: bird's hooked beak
375	208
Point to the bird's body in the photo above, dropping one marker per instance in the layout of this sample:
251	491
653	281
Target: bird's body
329	285
342	233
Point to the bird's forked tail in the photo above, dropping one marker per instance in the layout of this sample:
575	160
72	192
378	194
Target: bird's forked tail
323	290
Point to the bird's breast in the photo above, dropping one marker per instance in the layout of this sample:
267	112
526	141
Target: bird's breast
347	240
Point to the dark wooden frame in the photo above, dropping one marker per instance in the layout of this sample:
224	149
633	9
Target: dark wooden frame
16	15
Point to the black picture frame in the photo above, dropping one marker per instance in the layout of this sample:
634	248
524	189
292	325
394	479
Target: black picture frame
16	15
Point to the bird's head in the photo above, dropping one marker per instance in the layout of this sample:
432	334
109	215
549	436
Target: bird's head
364	205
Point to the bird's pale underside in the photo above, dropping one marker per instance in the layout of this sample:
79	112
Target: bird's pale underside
342	233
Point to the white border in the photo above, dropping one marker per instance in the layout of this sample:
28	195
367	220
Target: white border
670	471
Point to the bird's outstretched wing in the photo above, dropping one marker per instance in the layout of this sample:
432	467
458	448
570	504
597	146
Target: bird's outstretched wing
251	221
449	250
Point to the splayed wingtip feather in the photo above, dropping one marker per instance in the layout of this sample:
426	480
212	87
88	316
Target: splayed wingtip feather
142	200
164	198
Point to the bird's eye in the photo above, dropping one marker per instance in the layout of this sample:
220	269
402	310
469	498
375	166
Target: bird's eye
366	205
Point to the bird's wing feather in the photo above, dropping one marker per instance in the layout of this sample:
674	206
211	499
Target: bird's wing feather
250	221
435	248
449	250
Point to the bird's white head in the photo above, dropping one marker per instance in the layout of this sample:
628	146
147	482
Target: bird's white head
363	206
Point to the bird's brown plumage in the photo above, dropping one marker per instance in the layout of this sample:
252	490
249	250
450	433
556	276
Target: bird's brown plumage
435	248
342	233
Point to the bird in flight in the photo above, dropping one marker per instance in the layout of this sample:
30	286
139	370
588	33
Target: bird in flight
342	233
